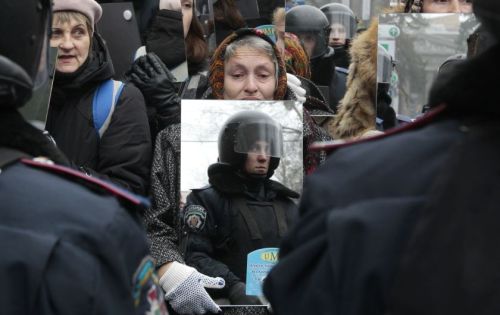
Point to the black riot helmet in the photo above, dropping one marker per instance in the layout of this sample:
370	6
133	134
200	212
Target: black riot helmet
24	50
240	133
340	17
311	26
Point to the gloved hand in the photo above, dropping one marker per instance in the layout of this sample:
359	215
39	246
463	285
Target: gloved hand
174	5
185	290
155	81
238	296
294	84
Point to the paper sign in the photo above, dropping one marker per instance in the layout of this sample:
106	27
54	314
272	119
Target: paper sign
259	263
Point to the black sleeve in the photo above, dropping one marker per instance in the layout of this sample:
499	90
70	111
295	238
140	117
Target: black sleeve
200	245
125	147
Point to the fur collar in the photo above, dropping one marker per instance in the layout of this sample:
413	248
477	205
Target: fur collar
356	111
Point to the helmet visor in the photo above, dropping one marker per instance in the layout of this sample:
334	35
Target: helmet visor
259	137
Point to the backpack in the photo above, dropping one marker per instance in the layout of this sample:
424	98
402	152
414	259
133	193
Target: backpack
104	103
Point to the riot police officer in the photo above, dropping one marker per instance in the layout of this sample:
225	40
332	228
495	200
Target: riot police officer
343	27
70	244
242	209
313	28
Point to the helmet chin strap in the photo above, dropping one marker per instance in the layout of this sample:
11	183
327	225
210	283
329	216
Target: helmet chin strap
15	84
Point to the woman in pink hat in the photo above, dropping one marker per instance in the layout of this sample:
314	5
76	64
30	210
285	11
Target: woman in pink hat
100	124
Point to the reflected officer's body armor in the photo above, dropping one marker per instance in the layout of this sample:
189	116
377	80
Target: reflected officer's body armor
238	212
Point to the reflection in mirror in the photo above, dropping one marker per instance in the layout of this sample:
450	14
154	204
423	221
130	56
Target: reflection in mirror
420	45
241	168
35	111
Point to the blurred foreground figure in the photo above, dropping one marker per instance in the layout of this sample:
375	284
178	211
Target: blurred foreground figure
406	224
71	244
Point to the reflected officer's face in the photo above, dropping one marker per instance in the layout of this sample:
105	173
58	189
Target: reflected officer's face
447	6
73	42
249	75
258	159
337	35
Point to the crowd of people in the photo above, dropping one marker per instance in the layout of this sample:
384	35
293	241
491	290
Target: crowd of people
392	219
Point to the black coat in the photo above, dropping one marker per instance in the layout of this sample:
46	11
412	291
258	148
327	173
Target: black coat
405	224
123	154
217	242
69	246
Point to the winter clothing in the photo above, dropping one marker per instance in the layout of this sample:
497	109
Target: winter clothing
356	113
232	217
419	246
216	77
123	153
91	9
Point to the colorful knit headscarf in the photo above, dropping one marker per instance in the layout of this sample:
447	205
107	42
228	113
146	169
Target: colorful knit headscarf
414	6
296	59
216	76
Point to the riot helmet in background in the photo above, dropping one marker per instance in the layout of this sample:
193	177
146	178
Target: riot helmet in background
311	26
343	24
23	53
241	131
385	66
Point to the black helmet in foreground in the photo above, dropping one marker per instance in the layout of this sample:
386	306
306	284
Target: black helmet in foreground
240	133
23	53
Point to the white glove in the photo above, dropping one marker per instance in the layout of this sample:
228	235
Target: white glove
185	290
174	5
294	84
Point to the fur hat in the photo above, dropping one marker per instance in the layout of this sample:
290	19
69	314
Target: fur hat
90	8
216	76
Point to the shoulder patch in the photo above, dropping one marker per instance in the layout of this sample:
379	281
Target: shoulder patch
92	183
195	217
148	297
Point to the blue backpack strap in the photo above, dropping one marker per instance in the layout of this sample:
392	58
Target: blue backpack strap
104	103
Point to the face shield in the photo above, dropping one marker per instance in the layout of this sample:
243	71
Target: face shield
42	71
259	137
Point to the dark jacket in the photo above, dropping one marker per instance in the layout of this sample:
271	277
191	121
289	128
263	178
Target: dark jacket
422	242
123	154
217	242
69	246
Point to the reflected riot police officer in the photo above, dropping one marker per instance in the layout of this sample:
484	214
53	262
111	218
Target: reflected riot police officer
343	27
242	210
71	244
313	29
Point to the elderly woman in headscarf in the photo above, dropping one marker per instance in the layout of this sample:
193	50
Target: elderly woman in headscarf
100	124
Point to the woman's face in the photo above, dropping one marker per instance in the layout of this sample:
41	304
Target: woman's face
249	75
447	6
73	42
187	14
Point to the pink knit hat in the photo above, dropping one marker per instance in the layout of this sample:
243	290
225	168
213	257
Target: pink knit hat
91	9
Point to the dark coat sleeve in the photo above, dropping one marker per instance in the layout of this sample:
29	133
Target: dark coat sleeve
201	245
125	148
161	220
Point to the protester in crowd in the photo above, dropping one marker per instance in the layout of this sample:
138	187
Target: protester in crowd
420	246
100	124
227	19
71	244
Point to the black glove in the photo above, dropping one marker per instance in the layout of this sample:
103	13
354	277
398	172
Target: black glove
155	81
237	295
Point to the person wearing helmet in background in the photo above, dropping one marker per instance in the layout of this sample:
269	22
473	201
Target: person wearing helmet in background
383	244
386	115
343	27
242	209
313	29
71	244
